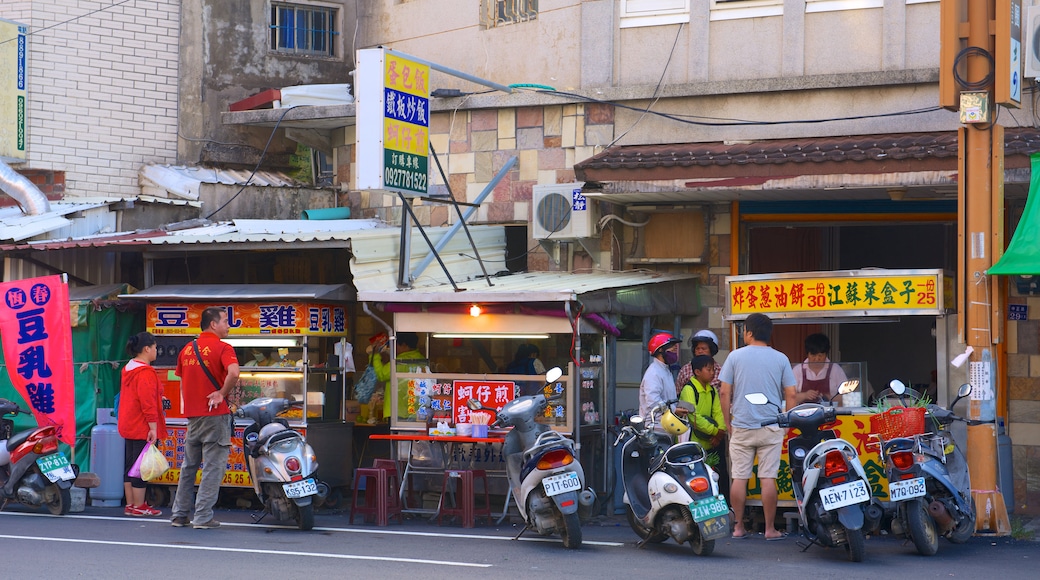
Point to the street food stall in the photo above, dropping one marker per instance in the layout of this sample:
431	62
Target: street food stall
835	301
289	340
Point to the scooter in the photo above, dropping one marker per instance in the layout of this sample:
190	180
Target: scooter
32	470
669	489
830	486
928	483
545	477
281	465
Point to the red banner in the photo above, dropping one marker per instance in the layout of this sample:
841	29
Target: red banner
37	341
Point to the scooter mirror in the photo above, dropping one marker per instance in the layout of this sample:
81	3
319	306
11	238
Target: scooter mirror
848	386
964	391
756	398
897	386
553	375
473	404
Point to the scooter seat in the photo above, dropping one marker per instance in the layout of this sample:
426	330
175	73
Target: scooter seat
18	438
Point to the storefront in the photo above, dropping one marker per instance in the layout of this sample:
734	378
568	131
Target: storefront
467	340
831	302
288	339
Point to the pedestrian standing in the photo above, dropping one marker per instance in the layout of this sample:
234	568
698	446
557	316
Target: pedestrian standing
208	369
140	418
755	368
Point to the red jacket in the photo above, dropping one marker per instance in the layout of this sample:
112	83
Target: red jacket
140	402
195	385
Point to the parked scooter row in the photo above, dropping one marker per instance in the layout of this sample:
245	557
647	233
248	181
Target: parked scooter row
929	488
32	470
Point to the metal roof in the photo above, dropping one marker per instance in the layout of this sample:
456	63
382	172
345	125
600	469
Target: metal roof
184	182
220	292
15	226
526	287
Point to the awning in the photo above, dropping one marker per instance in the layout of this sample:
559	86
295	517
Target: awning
1022	256
245	293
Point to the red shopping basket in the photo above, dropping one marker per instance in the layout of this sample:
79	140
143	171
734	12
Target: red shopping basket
898	422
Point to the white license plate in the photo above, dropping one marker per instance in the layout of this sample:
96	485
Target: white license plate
906	489
705	509
564	482
56	466
300	488
844	494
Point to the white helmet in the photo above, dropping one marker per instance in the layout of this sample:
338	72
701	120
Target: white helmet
705	336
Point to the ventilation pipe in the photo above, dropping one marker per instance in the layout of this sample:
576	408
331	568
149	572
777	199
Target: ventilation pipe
28	196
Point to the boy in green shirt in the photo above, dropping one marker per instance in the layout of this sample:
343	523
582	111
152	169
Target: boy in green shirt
708	427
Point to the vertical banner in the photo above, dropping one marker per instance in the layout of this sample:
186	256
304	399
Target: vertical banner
14	51
37	341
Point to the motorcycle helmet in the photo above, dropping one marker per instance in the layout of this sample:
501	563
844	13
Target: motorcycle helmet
661	340
672	424
708	337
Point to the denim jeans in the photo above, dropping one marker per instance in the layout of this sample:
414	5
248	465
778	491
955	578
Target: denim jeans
208	441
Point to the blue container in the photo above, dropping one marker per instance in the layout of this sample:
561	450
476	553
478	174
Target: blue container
106	460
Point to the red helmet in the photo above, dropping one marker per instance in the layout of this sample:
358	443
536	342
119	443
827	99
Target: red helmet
659	341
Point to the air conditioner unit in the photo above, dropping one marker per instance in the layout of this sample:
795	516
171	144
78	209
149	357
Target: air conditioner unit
561	212
1031	42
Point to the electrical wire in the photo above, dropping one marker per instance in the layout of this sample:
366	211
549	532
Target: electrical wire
657	90
73	19
978	85
258	162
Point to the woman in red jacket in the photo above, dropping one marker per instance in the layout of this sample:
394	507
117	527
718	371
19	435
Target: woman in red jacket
141	419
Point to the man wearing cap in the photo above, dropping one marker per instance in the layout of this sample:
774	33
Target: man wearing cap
702	343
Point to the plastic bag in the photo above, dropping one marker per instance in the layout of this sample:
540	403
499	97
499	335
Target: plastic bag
366	385
153	464
135	469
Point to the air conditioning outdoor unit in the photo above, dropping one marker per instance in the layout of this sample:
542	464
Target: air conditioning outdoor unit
561	212
1031	42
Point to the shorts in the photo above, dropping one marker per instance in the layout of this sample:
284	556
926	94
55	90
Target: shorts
744	444
131	451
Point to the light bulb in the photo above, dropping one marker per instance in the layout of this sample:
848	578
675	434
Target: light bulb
474	311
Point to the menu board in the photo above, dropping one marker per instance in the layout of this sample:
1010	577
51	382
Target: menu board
491	394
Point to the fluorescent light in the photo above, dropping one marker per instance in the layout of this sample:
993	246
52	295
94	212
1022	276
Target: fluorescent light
488	335
262	342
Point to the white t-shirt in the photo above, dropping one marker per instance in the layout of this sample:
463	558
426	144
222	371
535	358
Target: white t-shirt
656	387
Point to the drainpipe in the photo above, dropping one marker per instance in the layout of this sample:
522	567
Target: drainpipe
29	197
575	403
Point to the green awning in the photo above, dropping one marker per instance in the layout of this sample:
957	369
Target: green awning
1023	253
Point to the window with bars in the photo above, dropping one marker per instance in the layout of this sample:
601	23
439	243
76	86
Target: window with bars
303	29
494	13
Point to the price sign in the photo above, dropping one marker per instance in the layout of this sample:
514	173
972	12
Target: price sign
491	394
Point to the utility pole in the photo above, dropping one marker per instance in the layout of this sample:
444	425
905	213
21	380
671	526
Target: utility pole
980	68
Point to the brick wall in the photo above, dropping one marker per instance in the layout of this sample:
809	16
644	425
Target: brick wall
1023	348
102	90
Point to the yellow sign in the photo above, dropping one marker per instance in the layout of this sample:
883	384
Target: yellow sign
14	104
843	293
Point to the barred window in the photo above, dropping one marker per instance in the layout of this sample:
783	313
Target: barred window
495	13
303	29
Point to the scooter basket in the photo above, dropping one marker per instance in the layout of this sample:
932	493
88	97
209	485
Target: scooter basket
898	422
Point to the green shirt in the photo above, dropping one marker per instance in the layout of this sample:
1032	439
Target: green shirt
706	421
383	374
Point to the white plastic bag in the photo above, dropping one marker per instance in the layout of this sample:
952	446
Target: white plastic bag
154	464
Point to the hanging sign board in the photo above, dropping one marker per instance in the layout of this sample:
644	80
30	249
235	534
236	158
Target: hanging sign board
252	319
14	105
837	294
393	122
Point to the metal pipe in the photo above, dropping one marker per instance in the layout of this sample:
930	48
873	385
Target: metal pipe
29	197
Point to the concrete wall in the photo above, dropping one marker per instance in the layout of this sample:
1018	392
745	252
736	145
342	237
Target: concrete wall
226	58
102	90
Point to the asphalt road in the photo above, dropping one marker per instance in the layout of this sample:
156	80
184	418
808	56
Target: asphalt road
102	543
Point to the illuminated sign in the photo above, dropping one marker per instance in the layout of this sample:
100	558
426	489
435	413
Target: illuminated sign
834	294
252	319
393	122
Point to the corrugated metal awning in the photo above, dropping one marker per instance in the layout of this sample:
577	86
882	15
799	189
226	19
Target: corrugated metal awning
244	293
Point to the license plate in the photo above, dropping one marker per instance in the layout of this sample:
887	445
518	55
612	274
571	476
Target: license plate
300	488
844	494
56	466
906	489
705	509
564	482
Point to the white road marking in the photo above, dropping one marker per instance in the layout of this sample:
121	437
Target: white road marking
384	531
246	551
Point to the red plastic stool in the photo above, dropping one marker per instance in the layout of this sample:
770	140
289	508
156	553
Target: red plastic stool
464	496
380	495
395	478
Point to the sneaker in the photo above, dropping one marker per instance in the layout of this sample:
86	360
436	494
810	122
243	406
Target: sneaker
147	511
179	522
210	525
129	510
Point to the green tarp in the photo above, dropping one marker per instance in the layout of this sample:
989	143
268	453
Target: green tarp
100	329
1023	253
